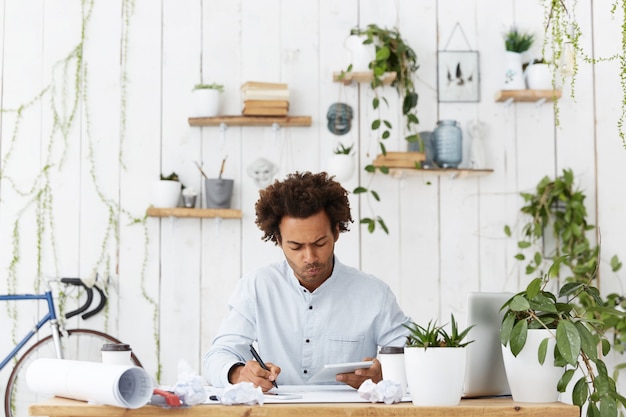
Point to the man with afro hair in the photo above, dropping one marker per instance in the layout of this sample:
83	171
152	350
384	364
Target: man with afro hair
310	309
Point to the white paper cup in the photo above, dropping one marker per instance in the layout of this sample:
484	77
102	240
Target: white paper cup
116	354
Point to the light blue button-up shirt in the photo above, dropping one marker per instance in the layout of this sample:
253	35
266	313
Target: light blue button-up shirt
343	320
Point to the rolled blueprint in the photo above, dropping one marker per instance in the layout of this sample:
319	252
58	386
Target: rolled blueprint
117	385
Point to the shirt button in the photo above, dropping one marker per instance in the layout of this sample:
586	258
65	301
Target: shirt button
305	371
308	340
310	307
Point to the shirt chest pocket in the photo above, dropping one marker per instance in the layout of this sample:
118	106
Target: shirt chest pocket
344	348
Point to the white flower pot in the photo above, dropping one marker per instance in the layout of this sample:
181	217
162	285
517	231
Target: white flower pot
205	102
435	376
538	77
165	193
513	73
341	166
360	55
530	381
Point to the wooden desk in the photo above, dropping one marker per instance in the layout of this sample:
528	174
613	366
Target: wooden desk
492	407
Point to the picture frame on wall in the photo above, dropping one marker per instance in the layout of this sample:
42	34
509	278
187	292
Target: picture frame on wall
458	76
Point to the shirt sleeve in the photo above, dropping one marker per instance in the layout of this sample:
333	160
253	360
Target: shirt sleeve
392	330
232	343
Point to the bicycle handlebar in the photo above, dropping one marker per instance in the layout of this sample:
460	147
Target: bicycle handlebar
79	282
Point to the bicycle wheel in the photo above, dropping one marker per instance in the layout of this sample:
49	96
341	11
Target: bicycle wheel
79	344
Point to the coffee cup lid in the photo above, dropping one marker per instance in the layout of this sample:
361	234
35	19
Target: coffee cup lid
391	349
115	347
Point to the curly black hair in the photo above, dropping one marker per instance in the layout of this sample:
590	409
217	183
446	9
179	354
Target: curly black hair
302	195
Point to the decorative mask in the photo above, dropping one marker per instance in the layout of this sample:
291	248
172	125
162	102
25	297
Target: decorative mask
339	118
262	172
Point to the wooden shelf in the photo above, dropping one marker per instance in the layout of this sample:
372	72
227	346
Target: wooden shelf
527	95
294	121
362	77
452	172
399	159
193	212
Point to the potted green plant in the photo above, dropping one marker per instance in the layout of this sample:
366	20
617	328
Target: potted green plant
391	54
555	232
432	350
206	100
538	75
166	191
570	336
553	243
341	163
516	43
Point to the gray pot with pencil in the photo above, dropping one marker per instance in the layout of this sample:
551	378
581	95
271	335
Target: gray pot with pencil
218	191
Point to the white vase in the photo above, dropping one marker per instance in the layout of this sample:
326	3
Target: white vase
513	73
435	376
360	55
538	77
205	102
341	166
165	193
529	380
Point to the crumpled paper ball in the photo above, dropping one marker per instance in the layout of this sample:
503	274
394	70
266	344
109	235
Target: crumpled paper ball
190	386
386	391
242	393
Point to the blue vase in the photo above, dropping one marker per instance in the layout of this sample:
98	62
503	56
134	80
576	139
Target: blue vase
448	141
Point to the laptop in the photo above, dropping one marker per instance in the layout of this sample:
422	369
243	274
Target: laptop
484	371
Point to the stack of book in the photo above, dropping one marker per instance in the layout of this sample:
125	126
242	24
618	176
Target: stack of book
265	99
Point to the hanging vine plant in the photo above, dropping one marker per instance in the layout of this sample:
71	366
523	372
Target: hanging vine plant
562	41
67	92
392	54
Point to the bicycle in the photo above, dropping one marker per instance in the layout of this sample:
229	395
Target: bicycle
76	344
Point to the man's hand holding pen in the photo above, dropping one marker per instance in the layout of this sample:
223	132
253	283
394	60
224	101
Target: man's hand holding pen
253	372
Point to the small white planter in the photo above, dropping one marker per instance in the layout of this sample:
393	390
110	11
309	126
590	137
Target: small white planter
165	193
435	376
360	55
341	166
530	381
205	102
538	77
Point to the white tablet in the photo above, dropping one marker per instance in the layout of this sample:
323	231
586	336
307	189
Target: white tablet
328	372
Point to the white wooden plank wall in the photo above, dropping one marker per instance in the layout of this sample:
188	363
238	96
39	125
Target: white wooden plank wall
446	234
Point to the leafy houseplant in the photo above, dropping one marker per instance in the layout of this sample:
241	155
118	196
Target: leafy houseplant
578	335
392	54
516	44
343	150
166	191
341	163
432	350
517	41
436	336
556	212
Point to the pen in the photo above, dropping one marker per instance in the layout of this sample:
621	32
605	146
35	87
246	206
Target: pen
260	361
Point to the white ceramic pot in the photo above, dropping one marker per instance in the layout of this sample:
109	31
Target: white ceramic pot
529	380
165	193
360	55
538	77
513	73
341	166
205	102
435	376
